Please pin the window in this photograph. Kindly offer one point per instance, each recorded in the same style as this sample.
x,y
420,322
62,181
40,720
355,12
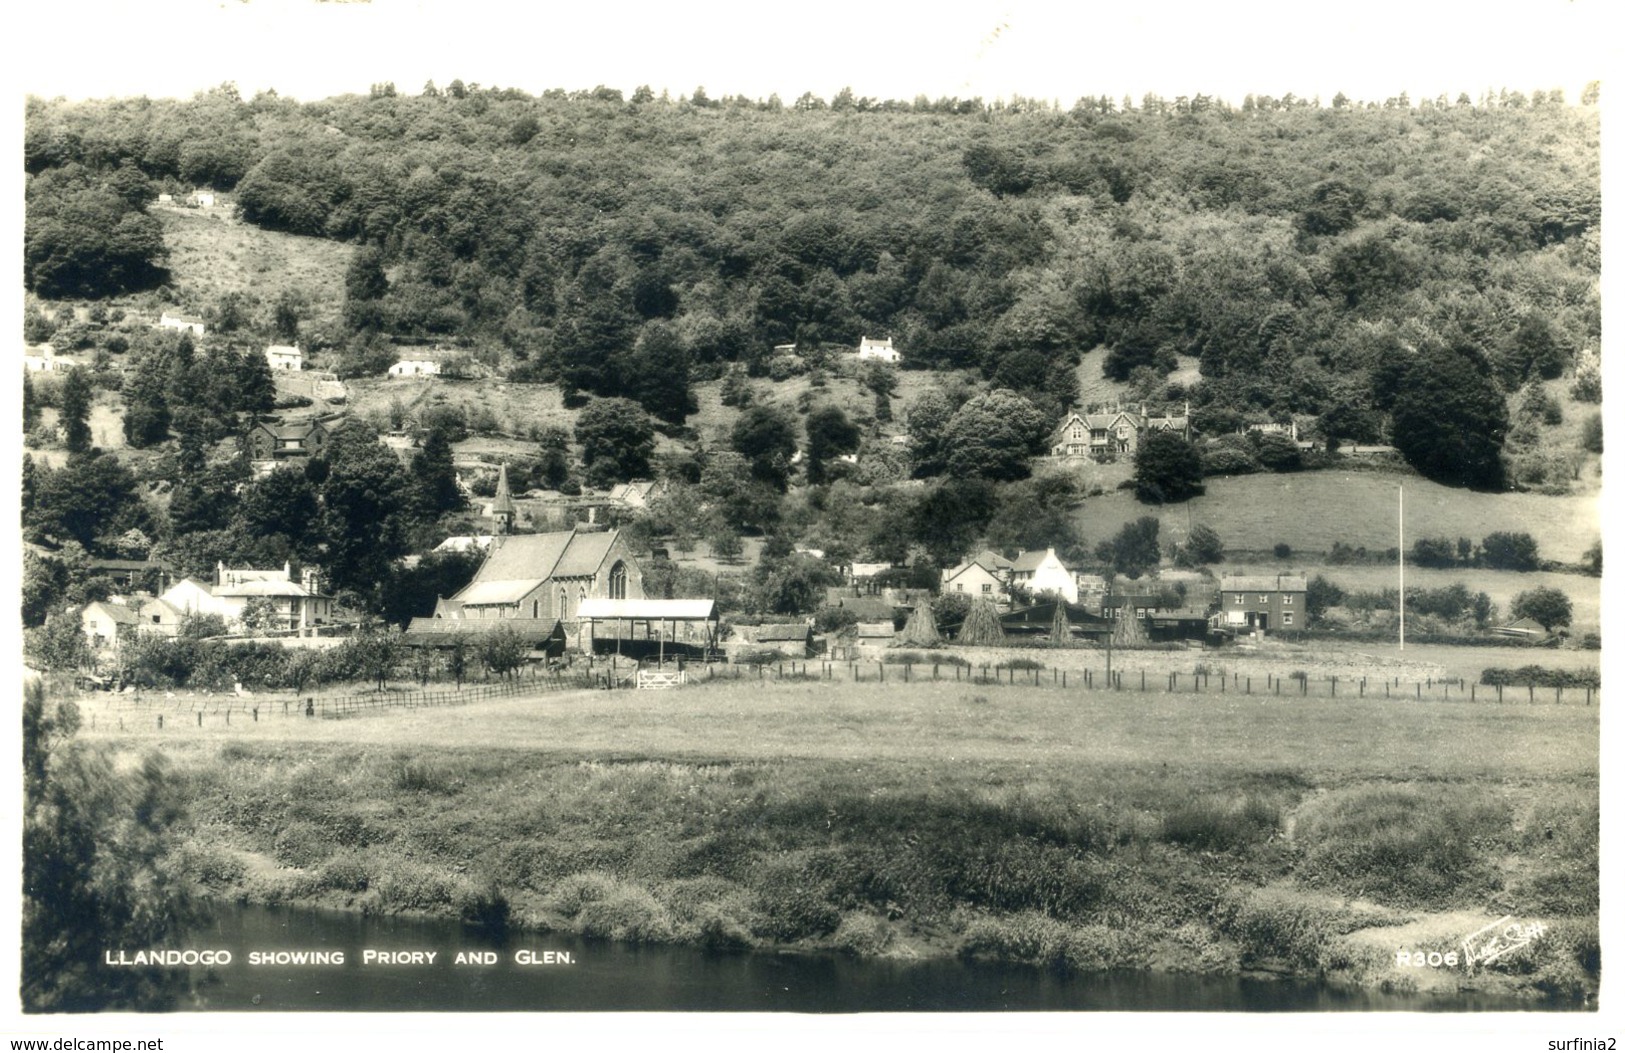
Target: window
x,y
959,587
1286,618
1240,599
1286,601
564,603
535,608
617,581
987,587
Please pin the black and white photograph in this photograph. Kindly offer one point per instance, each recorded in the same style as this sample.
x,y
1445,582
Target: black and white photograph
x,y
971,523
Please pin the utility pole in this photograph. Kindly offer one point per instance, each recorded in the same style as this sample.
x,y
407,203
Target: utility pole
x,y
1111,626
1401,566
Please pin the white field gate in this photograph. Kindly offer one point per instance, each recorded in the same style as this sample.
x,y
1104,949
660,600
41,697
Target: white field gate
x,y
660,679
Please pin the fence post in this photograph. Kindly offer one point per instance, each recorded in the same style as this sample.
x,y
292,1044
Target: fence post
x,y
1249,685
1472,692
1362,687
1560,694
1142,680
1334,687
1531,694
1419,691
1500,693
1063,680
908,670
200,718
160,722
1304,684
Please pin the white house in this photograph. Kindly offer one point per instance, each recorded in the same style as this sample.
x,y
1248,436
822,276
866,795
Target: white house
x,y
295,604
1044,572
881,350
103,621
43,359
203,199
195,326
283,357
985,575
415,367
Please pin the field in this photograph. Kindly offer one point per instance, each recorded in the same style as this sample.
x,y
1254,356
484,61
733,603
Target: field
x,y
1311,510
1078,830
211,254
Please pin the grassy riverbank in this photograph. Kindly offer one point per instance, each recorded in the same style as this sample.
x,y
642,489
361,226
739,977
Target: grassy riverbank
x,y
1083,831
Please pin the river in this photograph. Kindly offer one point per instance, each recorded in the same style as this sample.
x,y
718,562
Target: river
x,y
572,974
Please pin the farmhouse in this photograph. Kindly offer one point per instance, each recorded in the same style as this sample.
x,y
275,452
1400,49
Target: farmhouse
x,y
1263,602
794,639
189,323
1043,572
285,358
548,576
160,616
1112,434
878,350
290,440
415,367
986,574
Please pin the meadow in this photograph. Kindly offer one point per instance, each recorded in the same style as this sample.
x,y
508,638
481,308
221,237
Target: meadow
x,y
1075,830
1310,511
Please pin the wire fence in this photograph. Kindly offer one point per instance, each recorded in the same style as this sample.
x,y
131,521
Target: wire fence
x,y
166,710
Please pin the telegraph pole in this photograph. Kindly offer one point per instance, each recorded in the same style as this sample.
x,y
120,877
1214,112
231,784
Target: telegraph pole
x,y
1401,566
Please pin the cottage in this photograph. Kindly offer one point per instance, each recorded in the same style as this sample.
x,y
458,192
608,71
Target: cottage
x,y
415,367
878,350
290,440
127,572
104,622
548,576
794,639
42,358
161,617
1111,435
203,199
186,322
1263,602
1040,572
285,358
635,495
985,575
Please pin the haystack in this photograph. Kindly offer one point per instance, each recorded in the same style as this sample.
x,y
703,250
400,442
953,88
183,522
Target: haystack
x,y
921,630
981,625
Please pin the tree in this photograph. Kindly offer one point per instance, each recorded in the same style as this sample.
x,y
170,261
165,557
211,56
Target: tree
x,y
1322,595
829,434
1508,550
81,239
96,871
503,651
60,644
364,497
260,615
994,436
1433,552
364,288
1166,468
1547,606
766,438
91,496
1135,549
1450,420
75,409
617,439
1201,548
434,489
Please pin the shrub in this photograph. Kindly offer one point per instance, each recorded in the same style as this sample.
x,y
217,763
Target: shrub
x,y
406,885
345,872
834,619
862,934
1022,664
1506,550
485,908
211,867
299,844
420,777
1220,825
1283,550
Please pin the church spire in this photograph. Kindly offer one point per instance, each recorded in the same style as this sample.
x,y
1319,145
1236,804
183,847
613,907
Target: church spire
x,y
502,508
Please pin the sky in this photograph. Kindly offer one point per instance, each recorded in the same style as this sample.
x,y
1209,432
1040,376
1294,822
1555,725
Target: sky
x,y
988,48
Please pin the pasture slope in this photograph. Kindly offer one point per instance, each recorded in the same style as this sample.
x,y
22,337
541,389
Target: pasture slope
x,y
1312,510
1075,830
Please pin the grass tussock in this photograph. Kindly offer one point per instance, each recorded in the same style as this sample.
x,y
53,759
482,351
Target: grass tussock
x,y
1038,939
421,777
1221,824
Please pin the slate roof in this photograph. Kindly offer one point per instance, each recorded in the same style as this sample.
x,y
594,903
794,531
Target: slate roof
x,y
518,564
118,612
778,633
1263,583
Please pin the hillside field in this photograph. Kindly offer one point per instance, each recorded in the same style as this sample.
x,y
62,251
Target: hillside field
x,y
211,254
1312,510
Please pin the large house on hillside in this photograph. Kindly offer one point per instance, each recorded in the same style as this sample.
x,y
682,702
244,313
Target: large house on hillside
x,y
878,350
548,576
286,441
294,604
1113,434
